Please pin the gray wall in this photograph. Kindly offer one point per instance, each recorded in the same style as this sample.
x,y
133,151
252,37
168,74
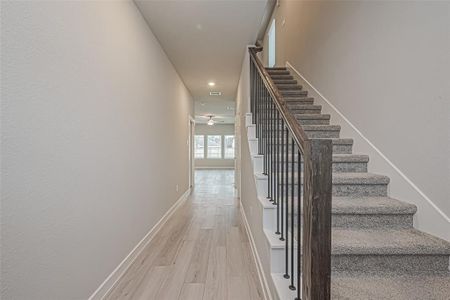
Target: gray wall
x,y
386,67
217,129
89,160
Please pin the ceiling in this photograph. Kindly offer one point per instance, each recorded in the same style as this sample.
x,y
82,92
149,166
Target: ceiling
x,y
206,41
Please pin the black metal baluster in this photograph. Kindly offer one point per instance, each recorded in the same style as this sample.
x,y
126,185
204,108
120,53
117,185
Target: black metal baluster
x,y
299,222
276,121
277,167
257,106
272,150
269,145
267,142
265,133
292,286
282,181
286,274
258,136
252,91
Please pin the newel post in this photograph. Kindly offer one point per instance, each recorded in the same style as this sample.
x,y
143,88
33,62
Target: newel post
x,y
316,267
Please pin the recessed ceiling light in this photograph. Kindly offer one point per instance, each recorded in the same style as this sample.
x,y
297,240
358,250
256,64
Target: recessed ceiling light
x,y
211,83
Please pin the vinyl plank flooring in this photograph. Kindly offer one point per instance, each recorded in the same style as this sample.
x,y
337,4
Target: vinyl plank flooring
x,y
152,282
175,279
198,266
235,262
238,288
202,252
192,291
216,279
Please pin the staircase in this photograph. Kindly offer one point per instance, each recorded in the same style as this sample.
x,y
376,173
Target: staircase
x,y
376,253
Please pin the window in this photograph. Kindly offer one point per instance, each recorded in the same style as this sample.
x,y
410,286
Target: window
x,y
229,146
214,146
199,146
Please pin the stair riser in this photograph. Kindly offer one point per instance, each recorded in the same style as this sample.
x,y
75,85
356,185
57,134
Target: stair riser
x,y
299,102
278,262
278,72
283,87
269,218
298,106
360,190
331,134
364,221
354,190
360,221
337,148
323,134
318,121
285,82
306,111
338,167
338,190
372,221
314,121
390,263
294,93
258,164
340,148
394,264
282,77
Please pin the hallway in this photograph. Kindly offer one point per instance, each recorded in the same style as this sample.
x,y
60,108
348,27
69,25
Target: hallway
x,y
202,252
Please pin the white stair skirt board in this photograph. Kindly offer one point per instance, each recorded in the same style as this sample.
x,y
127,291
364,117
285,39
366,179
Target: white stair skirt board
x,y
120,270
401,186
259,266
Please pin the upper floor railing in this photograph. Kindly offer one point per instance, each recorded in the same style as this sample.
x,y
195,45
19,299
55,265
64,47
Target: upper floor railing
x,y
298,171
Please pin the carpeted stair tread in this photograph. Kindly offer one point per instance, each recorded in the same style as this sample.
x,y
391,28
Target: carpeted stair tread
x,y
371,206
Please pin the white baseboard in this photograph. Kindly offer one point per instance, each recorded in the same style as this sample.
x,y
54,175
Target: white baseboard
x,y
113,278
429,217
259,267
215,168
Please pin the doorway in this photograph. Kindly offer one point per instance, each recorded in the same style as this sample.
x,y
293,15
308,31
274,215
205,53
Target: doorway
x,y
191,153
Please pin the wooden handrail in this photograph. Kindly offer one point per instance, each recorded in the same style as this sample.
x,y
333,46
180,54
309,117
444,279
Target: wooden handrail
x,y
297,132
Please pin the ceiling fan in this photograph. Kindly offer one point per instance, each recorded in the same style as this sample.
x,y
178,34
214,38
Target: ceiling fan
x,y
211,119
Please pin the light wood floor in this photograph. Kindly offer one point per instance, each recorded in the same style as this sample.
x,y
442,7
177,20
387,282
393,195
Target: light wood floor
x,y
202,252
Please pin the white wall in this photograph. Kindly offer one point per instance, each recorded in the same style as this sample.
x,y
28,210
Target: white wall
x,y
217,129
386,67
89,161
